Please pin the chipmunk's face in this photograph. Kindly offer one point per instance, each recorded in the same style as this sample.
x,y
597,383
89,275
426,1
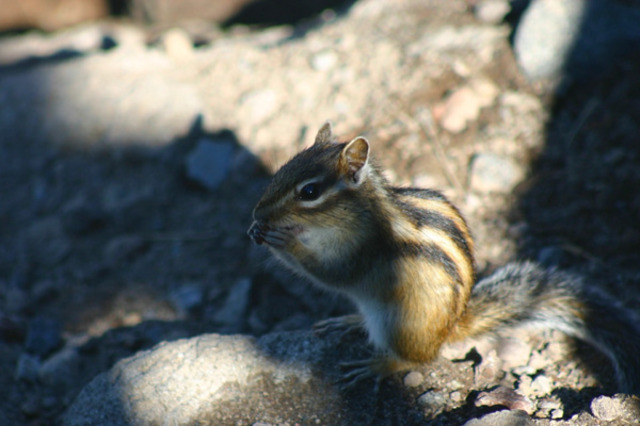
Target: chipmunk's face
x,y
305,210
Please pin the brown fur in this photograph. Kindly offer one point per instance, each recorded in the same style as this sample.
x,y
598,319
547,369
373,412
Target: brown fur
x,y
405,257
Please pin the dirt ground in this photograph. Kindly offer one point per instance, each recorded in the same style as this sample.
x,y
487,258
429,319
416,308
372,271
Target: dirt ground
x,y
110,249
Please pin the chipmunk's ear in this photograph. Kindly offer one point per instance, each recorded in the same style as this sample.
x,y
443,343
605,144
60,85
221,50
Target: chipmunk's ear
x,y
354,160
324,134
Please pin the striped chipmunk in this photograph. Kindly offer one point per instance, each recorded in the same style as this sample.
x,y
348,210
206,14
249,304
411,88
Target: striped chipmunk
x,y
404,256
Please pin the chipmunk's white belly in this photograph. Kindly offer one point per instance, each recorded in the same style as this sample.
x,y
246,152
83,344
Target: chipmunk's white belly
x,y
375,316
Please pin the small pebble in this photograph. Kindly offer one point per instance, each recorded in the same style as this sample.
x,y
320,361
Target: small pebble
x,y
556,413
209,163
187,298
492,11
432,401
502,418
464,104
177,44
324,60
494,173
514,352
506,397
606,408
541,385
413,379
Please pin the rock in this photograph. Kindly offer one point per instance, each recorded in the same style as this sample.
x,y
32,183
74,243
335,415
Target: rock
x,y
235,305
173,12
32,45
493,173
550,407
490,369
187,297
545,35
44,335
514,352
413,379
212,379
506,397
259,105
50,15
61,370
503,418
432,402
280,378
324,60
606,408
140,101
575,37
178,45
539,386
622,408
492,11
209,162
27,368
464,104
481,39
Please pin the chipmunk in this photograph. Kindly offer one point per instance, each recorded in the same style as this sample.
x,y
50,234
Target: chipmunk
x,y
404,256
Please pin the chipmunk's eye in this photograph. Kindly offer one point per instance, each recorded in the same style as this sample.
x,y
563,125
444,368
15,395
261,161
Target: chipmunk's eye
x,y
310,192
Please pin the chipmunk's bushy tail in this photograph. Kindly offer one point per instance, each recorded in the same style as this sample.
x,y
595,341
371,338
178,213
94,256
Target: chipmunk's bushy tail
x,y
526,294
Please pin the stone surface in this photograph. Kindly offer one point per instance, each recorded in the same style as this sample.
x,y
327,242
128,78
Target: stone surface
x,y
464,104
506,397
211,379
210,162
606,408
574,37
503,418
492,11
494,173
413,379
234,307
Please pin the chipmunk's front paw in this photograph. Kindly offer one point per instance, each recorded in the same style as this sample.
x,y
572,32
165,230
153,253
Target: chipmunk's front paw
x,y
376,368
356,372
344,324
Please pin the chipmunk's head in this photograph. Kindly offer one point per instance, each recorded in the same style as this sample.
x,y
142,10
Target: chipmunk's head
x,y
313,199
